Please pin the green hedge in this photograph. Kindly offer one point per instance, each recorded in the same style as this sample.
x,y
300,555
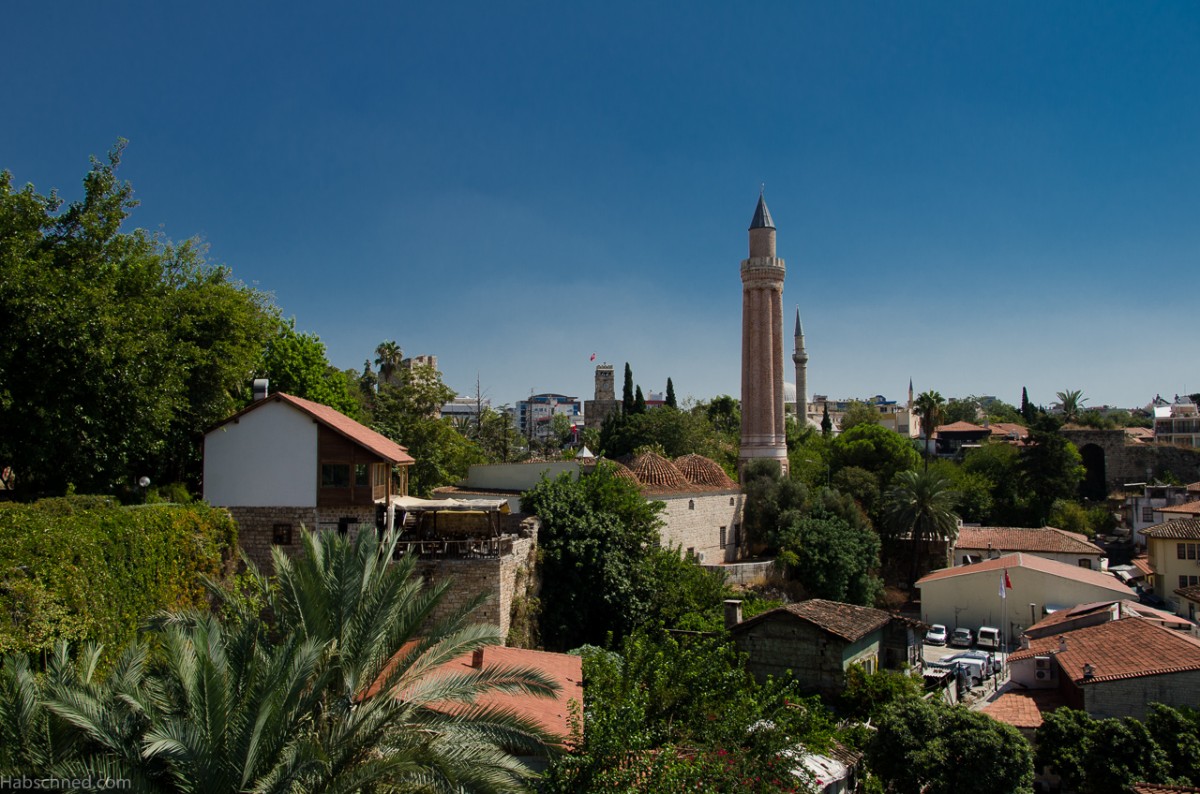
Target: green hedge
x,y
85,568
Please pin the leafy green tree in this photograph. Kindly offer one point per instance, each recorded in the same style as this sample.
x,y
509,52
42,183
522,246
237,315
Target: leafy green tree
x,y
961,410
1177,732
117,348
408,413
388,356
998,465
498,437
1070,403
725,414
597,537
874,448
860,484
295,363
922,746
831,557
930,407
919,507
859,413
867,695
1093,756
1000,411
677,432
975,502
768,497
668,714
1051,467
669,401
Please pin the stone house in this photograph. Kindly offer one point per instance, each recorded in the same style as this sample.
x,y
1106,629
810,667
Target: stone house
x,y
968,596
815,641
951,438
975,544
1085,615
1115,669
283,462
1189,601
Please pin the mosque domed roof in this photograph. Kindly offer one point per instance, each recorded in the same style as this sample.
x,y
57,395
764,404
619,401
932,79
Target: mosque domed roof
x,y
656,472
700,470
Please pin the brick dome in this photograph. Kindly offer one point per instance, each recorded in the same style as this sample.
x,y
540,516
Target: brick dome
x,y
621,470
658,473
703,471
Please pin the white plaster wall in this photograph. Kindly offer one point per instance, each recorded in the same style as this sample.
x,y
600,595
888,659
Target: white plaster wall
x,y
268,457
1066,559
516,476
973,600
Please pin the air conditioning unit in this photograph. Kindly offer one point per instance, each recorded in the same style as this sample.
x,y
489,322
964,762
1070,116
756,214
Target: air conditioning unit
x,y
700,558
1041,662
1043,675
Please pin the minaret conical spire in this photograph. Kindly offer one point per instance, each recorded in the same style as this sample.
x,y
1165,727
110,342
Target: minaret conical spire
x,y
762,215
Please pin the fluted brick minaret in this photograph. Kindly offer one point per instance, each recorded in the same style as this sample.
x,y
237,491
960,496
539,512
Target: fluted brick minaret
x,y
763,434
800,359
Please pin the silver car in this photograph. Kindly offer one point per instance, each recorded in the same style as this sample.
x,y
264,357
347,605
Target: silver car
x,y
961,638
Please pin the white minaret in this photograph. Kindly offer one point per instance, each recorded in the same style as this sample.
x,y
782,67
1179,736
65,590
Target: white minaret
x,y
763,433
800,359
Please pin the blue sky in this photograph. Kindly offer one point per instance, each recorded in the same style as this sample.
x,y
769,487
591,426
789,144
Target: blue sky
x,y
978,196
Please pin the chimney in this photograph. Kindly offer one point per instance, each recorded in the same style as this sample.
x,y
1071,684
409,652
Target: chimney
x,y
477,658
1024,642
261,387
1062,643
1088,670
733,612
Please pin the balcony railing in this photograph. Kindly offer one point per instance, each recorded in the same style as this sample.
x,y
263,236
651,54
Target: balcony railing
x,y
471,549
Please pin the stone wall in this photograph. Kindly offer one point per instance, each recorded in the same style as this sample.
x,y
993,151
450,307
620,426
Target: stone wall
x,y
694,521
502,579
1128,463
783,646
1130,697
746,573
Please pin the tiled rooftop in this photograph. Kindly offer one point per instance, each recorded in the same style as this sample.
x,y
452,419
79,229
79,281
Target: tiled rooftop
x,y
1040,539
1187,508
700,470
1160,788
1129,648
848,621
1031,562
657,473
1179,529
1023,708
961,427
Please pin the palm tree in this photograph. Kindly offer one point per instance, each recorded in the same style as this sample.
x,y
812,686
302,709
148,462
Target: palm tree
x,y
920,506
931,407
1071,402
338,696
388,357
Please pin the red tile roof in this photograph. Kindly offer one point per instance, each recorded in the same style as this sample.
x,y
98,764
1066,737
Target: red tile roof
x,y
1179,529
1159,788
1129,648
961,427
1040,539
1188,508
656,473
1142,564
1191,592
552,714
1009,429
336,421
1034,563
1023,708
848,621
1126,608
703,471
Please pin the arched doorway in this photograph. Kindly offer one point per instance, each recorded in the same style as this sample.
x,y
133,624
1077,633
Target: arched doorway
x,y
1095,482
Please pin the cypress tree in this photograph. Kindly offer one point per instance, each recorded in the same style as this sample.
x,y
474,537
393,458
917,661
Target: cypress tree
x,y
670,401
627,391
639,402
826,422
1026,408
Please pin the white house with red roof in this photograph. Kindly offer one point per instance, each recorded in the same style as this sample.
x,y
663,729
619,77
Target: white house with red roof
x,y
984,543
283,461
969,596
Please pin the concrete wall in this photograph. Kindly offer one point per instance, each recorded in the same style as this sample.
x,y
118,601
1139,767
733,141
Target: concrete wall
x,y
515,476
694,521
973,600
745,573
265,457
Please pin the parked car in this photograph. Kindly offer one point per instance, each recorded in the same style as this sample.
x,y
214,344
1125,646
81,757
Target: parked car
x,y
991,665
988,637
962,638
936,634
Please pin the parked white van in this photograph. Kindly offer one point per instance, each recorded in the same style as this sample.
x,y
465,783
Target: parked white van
x,y
988,638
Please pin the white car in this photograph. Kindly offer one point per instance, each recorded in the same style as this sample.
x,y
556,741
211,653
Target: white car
x,y
936,635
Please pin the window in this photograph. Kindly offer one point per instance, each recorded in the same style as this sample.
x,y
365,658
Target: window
x,y
691,553
691,504
281,534
1148,514
335,475
1085,564
1187,551
722,537
731,502
1187,581
362,475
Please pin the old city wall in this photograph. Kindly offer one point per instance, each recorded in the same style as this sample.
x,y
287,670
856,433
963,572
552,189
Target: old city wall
x,y
261,529
1127,463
